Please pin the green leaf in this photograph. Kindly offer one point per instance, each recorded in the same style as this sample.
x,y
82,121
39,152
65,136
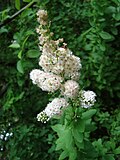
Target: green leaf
x,y
88,114
68,139
80,145
26,13
26,0
63,155
20,54
60,143
110,9
81,125
58,128
3,30
117,16
114,31
20,66
105,35
33,53
109,157
29,33
17,4
14,45
77,135
73,154
102,47
117,150
90,150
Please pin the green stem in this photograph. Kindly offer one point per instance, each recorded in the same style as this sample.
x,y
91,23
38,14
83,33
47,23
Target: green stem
x,y
8,20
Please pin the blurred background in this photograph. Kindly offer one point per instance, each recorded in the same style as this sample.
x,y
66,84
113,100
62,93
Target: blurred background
x,y
91,29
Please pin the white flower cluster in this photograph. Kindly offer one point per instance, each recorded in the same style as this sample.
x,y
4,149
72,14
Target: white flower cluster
x,y
46,81
42,17
52,109
60,70
59,60
87,99
71,89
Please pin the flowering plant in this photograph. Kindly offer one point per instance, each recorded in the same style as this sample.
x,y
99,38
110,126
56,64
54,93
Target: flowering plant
x,y
60,71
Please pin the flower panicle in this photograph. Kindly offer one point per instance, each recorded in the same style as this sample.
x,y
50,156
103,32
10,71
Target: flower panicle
x,y
60,70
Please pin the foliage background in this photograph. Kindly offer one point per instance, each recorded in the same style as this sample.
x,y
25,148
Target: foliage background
x,y
91,29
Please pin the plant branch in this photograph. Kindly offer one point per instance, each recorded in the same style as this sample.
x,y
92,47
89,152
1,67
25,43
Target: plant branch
x,y
8,20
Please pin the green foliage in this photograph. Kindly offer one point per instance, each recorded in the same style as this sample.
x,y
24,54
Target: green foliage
x,y
91,30
74,134
20,101
17,4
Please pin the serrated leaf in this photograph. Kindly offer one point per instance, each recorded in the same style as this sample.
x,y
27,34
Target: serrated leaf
x,y
60,144
33,53
63,155
77,135
68,139
20,66
105,35
88,114
58,128
73,154
17,4
14,45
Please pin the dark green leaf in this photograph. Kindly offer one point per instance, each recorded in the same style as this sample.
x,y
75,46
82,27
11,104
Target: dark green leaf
x,y
105,35
88,114
117,150
109,157
117,16
20,66
33,53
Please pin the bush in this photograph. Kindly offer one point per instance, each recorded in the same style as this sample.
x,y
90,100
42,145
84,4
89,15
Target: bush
x,y
91,30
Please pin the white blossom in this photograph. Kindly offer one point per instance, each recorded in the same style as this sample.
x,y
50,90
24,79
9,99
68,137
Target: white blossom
x,y
35,75
52,109
87,98
53,60
71,89
42,117
60,61
72,67
42,17
46,81
49,48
